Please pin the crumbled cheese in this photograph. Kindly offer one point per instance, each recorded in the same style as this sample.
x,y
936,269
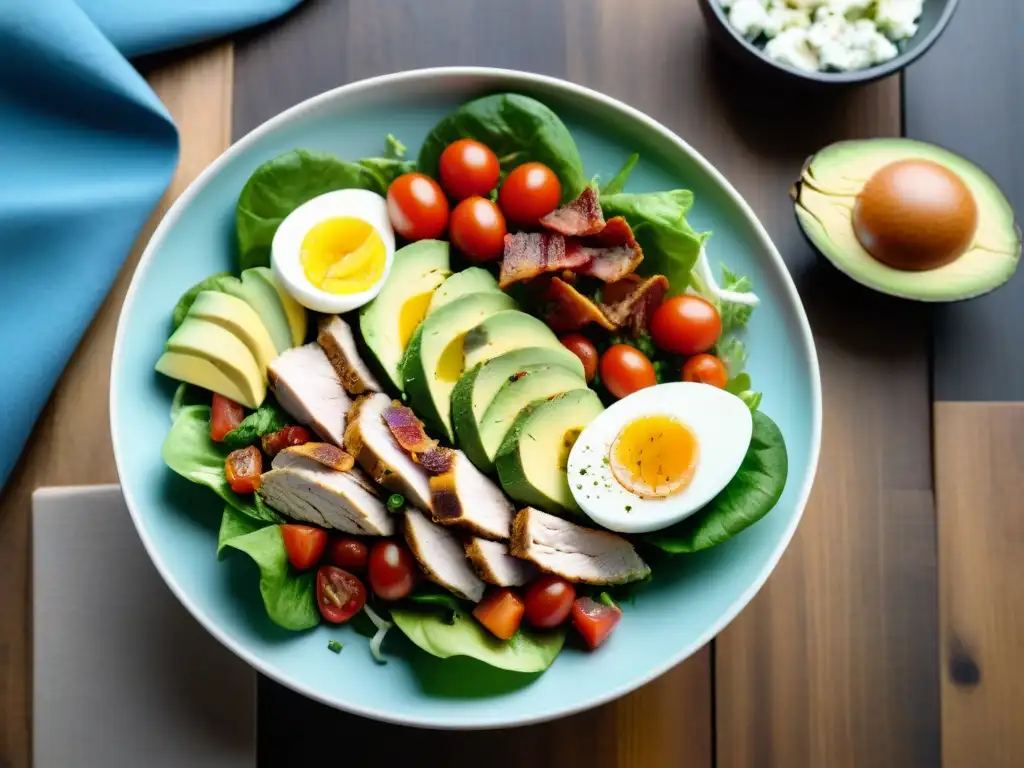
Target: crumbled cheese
x,y
790,47
898,18
748,17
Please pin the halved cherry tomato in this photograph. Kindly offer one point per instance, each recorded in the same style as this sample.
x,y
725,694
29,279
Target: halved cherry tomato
x,y
501,612
242,469
225,415
276,442
686,325
348,553
529,191
304,545
478,229
468,168
391,570
548,601
594,620
339,594
417,207
624,370
705,369
585,350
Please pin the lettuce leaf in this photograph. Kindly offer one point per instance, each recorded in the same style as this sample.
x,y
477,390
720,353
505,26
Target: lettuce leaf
x,y
264,420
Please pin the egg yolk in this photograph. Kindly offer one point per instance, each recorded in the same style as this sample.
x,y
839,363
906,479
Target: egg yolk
x,y
343,255
654,456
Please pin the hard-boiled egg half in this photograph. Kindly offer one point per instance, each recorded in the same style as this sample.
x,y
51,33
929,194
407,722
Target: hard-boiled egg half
x,y
658,455
334,252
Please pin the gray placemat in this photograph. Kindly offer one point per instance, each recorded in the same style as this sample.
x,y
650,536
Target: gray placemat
x,y
122,674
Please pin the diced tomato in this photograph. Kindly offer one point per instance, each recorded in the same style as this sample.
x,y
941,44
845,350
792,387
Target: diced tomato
x,y
348,553
339,594
243,468
225,415
593,620
276,442
304,544
500,612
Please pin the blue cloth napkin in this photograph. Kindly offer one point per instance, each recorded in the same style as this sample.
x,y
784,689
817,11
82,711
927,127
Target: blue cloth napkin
x,y
86,151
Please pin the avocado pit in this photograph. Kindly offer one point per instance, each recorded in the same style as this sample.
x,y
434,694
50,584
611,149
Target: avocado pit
x,y
915,215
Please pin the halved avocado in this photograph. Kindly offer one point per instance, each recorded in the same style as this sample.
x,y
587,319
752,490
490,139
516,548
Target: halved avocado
x,y
504,332
237,316
826,197
230,356
434,361
471,280
478,386
390,320
532,459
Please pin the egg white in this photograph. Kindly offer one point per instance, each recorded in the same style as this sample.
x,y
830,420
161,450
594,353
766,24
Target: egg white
x,y
287,246
722,425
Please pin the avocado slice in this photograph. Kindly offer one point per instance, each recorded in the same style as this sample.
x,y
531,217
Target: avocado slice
x,y
263,298
209,341
826,195
433,361
471,280
389,321
294,312
237,316
506,331
532,458
200,372
477,387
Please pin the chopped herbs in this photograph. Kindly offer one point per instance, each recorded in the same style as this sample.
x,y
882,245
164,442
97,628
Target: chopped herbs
x,y
629,507
334,646
396,501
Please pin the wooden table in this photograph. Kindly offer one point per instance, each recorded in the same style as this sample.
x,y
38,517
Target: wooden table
x,y
888,635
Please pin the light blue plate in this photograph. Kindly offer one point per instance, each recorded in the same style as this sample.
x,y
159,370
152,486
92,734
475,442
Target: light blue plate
x,y
690,600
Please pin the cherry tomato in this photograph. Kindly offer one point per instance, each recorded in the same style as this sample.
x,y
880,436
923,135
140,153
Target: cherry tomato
x,y
529,191
242,469
686,325
348,553
584,349
594,620
276,442
548,601
417,207
304,545
468,168
624,370
225,415
391,571
705,369
339,594
477,228
500,612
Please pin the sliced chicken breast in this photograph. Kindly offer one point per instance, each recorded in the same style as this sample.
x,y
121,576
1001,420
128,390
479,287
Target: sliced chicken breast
x,y
493,563
306,386
335,336
368,438
573,552
306,490
464,496
441,556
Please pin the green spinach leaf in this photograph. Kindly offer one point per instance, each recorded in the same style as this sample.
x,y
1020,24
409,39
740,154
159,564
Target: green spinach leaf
x,y
618,181
189,451
526,651
446,600
211,283
281,185
748,497
518,129
387,169
266,419
234,524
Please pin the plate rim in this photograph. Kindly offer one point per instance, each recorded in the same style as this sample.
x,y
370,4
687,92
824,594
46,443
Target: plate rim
x,y
504,78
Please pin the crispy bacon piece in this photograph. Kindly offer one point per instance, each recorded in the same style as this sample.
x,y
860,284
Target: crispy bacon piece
x,y
407,429
580,217
637,305
529,254
329,455
566,309
611,254
437,460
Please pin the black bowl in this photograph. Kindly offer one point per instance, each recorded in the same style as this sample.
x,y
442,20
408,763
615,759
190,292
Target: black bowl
x,y
932,23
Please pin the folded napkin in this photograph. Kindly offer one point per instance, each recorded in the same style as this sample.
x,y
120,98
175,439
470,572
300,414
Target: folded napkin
x,y
86,151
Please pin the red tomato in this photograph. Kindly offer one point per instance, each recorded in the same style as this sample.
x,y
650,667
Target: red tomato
x,y
529,191
348,553
500,612
584,349
276,442
624,370
225,415
468,168
242,469
304,544
686,325
478,229
594,620
339,594
705,369
391,571
417,207
548,601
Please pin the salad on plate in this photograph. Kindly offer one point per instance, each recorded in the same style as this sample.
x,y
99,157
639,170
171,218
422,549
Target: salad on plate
x,y
473,397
